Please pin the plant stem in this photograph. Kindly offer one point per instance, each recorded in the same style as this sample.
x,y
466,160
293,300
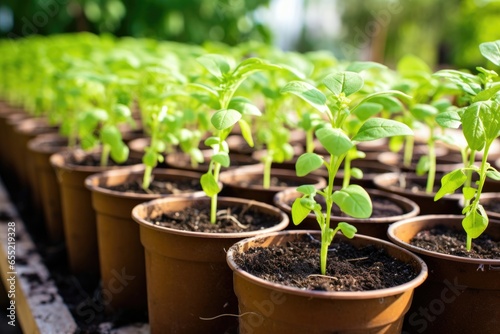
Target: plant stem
x,y
146,180
213,202
408,151
268,161
431,174
105,155
310,141
347,172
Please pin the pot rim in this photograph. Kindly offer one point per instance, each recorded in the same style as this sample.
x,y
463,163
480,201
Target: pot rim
x,y
391,234
92,181
352,295
143,206
59,160
36,144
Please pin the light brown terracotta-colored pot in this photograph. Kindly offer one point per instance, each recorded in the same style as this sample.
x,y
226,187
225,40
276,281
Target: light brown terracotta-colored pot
x,y
235,185
189,282
267,307
461,294
373,226
444,163
118,236
12,158
79,219
393,182
41,148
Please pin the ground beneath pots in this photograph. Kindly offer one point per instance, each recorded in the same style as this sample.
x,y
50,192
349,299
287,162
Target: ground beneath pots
x,y
235,219
296,264
453,242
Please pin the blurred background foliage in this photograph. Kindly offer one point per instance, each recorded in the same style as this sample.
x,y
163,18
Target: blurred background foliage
x,y
441,32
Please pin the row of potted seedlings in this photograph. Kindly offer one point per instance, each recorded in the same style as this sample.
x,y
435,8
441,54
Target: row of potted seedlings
x,y
138,174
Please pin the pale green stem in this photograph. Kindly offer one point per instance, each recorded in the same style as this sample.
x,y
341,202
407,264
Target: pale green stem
x,y
213,203
105,155
431,174
146,180
408,151
266,178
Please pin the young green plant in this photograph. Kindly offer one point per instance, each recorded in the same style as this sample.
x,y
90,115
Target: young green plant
x,y
226,79
480,124
335,109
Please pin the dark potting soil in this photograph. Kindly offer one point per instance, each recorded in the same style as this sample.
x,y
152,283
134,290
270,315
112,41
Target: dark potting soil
x,y
235,219
83,159
179,186
296,264
449,241
257,181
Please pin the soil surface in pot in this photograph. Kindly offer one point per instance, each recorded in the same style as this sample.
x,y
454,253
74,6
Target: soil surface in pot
x,y
297,264
235,219
449,241
84,159
257,181
159,187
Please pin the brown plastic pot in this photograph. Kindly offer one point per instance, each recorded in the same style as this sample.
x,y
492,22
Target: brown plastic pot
x,y
444,164
181,160
119,244
393,183
461,294
235,182
79,219
267,307
373,227
188,281
41,148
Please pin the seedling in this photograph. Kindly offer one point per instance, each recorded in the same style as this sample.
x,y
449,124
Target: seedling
x,y
480,123
226,79
337,107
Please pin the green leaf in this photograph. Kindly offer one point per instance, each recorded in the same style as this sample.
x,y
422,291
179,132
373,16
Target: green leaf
x,y
308,203
119,153
473,127
474,224
449,119
354,201
335,141
216,64
359,66
491,51
110,135
307,163
246,132
347,229
423,165
469,192
212,141
493,174
487,93
222,158
389,103
423,111
376,128
307,189
308,93
356,173
367,110
244,106
225,118
209,185
299,212
343,82
451,182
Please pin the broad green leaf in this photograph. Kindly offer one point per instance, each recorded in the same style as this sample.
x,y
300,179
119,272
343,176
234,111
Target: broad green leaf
x,y
469,192
367,110
206,88
110,135
222,158
474,224
450,182
307,189
356,173
308,93
343,82
491,51
246,132
299,212
473,127
359,66
354,201
335,141
487,93
347,229
196,154
122,112
244,106
449,119
410,66
389,103
252,65
307,163
308,203
209,185
493,174
211,141
490,117
376,128
225,118
423,111
119,153
216,64
423,165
